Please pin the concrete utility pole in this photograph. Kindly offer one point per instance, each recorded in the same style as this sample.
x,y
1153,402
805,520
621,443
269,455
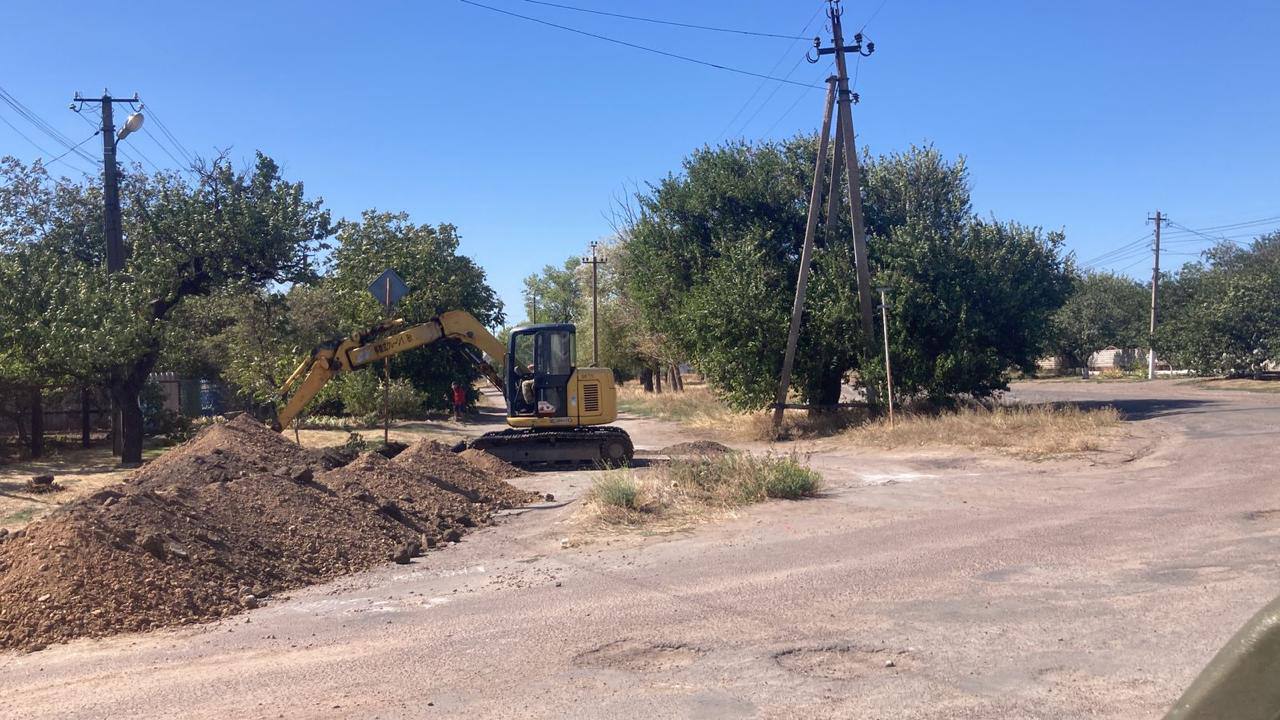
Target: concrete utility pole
x,y
806,254
595,262
1155,287
837,90
111,173
849,148
112,233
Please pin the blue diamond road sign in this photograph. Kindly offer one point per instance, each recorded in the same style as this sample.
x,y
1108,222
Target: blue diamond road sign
x,y
388,288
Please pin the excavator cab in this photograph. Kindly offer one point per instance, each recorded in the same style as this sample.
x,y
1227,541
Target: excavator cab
x,y
543,359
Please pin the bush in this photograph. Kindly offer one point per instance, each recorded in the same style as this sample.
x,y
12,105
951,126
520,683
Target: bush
x,y
739,478
617,490
361,395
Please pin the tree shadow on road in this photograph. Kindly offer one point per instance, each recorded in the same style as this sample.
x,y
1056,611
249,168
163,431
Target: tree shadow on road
x,y
1140,408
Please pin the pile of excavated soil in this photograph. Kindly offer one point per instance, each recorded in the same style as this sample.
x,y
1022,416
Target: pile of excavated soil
x,y
212,526
457,473
495,465
698,448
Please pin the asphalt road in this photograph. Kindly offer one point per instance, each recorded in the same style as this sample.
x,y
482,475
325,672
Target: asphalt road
x,y
922,585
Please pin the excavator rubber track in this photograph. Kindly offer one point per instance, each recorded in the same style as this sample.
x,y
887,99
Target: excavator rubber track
x,y
601,446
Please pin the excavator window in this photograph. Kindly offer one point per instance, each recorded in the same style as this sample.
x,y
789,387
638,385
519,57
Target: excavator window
x,y
542,363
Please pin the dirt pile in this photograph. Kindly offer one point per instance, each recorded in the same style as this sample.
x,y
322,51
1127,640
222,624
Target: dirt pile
x,y
697,448
472,475
498,467
210,528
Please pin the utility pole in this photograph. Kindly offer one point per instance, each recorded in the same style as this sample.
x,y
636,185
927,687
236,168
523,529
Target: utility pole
x,y
846,100
595,262
839,100
112,233
1155,288
806,255
110,175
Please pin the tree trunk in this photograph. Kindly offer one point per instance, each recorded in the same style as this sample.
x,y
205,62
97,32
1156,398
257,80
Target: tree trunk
x,y
657,379
827,394
646,379
679,377
126,397
85,426
37,423
126,391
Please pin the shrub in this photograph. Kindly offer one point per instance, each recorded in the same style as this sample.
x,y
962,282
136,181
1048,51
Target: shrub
x,y
616,489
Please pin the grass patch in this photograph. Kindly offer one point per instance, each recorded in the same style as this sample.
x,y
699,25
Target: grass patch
x,y
21,516
687,492
1031,431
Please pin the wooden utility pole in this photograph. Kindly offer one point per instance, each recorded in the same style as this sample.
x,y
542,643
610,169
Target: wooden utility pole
x,y
888,367
1155,288
595,262
806,255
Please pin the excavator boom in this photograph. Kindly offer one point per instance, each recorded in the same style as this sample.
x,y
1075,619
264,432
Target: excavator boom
x,y
362,349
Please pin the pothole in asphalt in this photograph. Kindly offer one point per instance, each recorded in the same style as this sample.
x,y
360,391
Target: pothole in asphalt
x,y
841,662
637,656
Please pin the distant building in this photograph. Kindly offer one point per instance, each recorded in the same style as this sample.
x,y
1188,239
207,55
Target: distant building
x,y
1114,358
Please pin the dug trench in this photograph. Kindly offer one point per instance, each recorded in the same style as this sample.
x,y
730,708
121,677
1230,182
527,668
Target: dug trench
x,y
234,515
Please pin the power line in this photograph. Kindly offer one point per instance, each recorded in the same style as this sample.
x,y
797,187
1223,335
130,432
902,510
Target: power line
x,y
164,129
43,152
73,149
42,125
23,135
645,48
1115,253
768,99
873,15
666,22
760,85
793,106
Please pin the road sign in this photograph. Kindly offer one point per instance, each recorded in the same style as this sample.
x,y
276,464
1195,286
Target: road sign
x,y
388,288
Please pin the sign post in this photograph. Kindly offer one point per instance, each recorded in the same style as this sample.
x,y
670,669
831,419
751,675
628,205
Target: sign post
x,y
387,289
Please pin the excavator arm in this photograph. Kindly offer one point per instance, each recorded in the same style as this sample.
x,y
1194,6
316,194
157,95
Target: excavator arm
x,y
361,349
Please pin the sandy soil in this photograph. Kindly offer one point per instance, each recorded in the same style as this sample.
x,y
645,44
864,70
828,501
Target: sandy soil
x,y
921,585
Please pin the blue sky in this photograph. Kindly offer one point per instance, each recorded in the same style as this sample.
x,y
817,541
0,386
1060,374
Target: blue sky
x,y
1081,116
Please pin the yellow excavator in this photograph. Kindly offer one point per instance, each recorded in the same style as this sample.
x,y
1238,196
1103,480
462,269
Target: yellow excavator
x,y
557,412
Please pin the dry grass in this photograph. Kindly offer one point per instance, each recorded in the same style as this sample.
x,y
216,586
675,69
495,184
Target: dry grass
x,y
689,492
699,409
1036,431
1242,384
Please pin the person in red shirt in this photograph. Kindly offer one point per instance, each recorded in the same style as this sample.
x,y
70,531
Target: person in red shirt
x,y
459,401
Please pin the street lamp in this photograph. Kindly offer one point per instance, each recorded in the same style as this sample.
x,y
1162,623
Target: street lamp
x,y
131,125
888,368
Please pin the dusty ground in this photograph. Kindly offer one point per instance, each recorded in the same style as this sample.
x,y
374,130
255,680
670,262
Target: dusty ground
x,y
935,585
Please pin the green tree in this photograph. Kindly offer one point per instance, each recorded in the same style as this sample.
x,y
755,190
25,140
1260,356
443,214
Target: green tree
x,y
439,279
1103,309
714,253
1222,315
228,229
556,294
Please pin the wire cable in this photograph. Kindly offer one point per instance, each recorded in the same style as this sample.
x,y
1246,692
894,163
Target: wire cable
x,y
760,86
666,22
645,48
41,124
94,135
793,106
164,129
